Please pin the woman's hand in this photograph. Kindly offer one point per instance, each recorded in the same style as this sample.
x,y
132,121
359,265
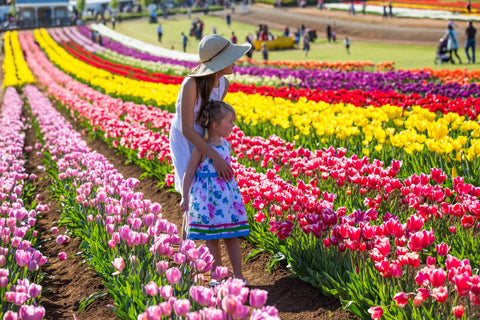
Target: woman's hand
x,y
184,204
224,170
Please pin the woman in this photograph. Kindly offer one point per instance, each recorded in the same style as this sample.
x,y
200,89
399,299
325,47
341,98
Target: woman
x,y
205,82
452,43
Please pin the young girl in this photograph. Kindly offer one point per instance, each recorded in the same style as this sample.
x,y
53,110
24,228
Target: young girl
x,y
215,206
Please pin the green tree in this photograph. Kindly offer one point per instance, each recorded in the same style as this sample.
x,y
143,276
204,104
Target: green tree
x,y
145,3
114,4
81,5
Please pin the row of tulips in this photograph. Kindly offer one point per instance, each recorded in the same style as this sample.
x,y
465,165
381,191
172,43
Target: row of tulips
x,y
16,71
284,229
469,106
435,4
357,97
447,76
20,261
411,131
152,274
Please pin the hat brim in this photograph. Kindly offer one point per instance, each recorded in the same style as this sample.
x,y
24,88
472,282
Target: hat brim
x,y
223,60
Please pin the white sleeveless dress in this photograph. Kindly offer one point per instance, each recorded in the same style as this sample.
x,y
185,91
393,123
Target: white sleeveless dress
x,y
180,147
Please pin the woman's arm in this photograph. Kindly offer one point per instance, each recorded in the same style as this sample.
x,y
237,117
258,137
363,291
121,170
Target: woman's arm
x,y
192,165
227,85
188,103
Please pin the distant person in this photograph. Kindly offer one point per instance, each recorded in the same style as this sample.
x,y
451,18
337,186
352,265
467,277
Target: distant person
x,y
334,36
228,18
306,44
390,10
385,14
159,32
329,32
452,43
233,38
264,52
249,39
286,31
214,30
364,7
320,4
470,33
113,23
233,6
352,8
469,6
346,43
184,42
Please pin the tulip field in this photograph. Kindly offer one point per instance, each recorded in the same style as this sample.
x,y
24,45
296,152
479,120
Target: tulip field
x,y
362,180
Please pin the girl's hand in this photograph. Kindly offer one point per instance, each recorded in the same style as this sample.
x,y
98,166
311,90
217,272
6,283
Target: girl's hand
x,y
224,170
184,204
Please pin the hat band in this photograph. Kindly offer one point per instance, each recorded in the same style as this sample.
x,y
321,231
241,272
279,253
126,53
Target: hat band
x,y
217,54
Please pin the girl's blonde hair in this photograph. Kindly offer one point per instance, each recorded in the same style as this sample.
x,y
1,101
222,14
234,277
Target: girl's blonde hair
x,y
213,112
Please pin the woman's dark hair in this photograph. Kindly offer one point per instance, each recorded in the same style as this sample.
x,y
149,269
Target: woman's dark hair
x,y
205,86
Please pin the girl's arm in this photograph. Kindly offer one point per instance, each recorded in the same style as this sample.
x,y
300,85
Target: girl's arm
x,y
192,165
222,167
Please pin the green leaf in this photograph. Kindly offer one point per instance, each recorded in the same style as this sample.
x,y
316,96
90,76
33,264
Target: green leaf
x,y
253,253
85,302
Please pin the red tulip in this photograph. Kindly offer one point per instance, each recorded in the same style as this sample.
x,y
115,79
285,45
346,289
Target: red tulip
x,y
458,311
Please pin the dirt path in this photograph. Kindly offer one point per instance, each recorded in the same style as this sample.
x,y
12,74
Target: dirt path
x,y
368,28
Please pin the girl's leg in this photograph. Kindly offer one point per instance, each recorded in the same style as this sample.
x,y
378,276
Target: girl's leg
x,y
234,253
214,247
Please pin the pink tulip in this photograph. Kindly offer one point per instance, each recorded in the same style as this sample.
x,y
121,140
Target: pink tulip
x,y
166,308
230,303
401,299
440,294
258,298
437,277
54,230
31,312
119,264
458,311
213,314
151,288
219,273
34,290
62,256
10,315
414,223
179,258
181,307
376,312
22,257
173,275
166,292
161,267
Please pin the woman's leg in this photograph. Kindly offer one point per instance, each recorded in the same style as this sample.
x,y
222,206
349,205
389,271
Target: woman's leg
x,y
458,57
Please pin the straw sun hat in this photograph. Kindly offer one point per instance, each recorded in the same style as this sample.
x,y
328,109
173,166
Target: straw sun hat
x,y
216,53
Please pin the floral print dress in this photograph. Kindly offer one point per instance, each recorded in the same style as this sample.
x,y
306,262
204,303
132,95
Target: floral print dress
x,y
216,209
